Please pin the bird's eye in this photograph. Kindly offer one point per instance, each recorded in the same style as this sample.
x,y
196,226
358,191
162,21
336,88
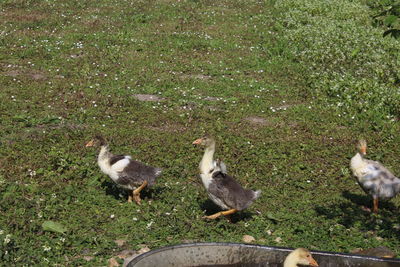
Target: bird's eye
x,y
308,255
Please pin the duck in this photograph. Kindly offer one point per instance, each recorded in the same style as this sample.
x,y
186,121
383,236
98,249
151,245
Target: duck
x,y
300,256
373,177
222,188
127,173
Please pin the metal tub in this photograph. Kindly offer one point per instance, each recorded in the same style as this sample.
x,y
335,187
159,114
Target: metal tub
x,y
243,255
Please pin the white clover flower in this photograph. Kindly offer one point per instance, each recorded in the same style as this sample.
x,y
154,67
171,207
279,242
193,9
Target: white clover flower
x,y
7,239
46,248
149,224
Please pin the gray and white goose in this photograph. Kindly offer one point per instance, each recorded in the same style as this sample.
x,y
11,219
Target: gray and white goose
x,y
130,174
222,189
373,177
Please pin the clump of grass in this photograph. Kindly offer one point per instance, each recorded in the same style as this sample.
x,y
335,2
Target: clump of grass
x,y
348,62
255,76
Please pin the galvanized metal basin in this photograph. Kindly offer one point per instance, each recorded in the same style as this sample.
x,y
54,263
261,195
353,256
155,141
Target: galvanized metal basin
x,y
243,255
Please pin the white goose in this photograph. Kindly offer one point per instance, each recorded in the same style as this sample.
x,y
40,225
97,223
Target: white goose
x,y
222,189
300,256
127,173
373,177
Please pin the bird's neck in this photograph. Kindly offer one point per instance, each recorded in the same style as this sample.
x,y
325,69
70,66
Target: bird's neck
x,y
206,162
357,161
290,261
104,153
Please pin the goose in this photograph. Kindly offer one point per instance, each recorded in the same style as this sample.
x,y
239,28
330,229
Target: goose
x,y
222,189
130,174
300,256
373,177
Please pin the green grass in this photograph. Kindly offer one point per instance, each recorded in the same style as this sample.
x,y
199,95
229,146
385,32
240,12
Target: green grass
x,y
321,77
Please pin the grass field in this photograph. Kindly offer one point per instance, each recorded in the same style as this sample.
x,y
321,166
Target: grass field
x,y
286,88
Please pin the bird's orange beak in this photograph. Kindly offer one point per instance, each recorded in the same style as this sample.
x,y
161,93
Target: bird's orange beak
x,y
313,262
363,150
90,143
197,141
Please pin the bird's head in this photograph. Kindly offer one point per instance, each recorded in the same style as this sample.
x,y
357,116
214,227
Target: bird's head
x,y
301,256
206,141
98,140
362,146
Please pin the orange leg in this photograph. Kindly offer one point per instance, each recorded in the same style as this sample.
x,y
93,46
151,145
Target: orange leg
x,y
375,205
218,214
136,193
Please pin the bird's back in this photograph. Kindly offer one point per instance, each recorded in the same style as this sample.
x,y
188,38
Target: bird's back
x,y
230,192
378,180
137,172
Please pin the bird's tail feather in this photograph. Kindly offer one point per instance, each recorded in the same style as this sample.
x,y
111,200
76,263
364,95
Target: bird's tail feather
x,y
158,171
257,194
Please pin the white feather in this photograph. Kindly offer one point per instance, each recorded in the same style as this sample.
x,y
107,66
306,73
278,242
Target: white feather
x,y
206,178
358,166
104,163
120,165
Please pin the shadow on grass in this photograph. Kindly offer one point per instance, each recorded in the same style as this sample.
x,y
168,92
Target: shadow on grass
x,y
211,208
113,190
366,200
152,193
350,214
122,194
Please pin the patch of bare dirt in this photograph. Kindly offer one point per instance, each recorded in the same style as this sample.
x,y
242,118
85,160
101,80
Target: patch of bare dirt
x,y
13,73
20,15
30,74
255,120
196,76
37,76
152,98
212,98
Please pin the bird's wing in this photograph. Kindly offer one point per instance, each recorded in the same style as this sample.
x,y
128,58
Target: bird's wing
x,y
375,170
119,162
219,165
138,172
229,190
220,193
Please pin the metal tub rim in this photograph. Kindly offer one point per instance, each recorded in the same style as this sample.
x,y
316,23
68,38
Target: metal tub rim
x,y
261,247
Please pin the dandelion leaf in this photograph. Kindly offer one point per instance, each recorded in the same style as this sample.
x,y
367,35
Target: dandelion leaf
x,y
53,227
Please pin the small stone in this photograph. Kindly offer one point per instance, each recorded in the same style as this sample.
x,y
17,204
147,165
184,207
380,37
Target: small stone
x,y
278,240
145,97
143,250
127,253
113,263
88,258
120,242
248,239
